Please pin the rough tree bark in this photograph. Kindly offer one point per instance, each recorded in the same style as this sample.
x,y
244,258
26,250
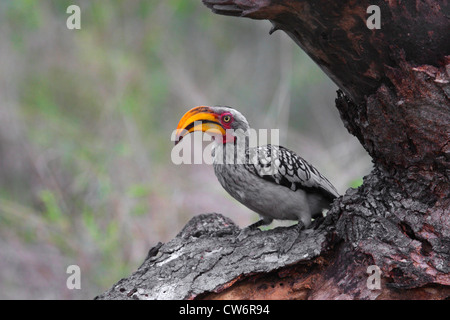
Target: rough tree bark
x,y
395,98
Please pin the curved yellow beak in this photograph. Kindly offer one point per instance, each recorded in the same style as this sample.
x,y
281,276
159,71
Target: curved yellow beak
x,y
200,118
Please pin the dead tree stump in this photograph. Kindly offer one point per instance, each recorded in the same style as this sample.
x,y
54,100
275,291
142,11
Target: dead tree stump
x,y
395,98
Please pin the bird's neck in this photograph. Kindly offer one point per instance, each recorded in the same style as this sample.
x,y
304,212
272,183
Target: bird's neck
x,y
231,152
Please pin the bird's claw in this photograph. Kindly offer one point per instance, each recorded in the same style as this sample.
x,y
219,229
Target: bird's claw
x,y
293,237
244,233
251,229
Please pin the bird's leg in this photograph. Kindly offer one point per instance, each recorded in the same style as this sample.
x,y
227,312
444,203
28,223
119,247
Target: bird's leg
x,y
245,232
259,223
293,237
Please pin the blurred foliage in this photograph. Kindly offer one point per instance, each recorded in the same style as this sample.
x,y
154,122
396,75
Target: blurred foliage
x,y
86,119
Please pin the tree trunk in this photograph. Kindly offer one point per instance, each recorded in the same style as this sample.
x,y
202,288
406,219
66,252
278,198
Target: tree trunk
x,y
395,98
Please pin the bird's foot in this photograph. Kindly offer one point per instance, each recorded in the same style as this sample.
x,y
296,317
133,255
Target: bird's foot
x,y
251,229
293,237
244,233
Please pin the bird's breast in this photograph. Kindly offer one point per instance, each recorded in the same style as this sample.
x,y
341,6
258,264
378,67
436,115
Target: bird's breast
x,y
263,197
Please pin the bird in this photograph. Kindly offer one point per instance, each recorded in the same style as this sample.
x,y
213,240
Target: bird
x,y
270,180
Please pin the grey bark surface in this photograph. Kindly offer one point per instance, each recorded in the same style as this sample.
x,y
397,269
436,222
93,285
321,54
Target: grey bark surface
x,y
204,258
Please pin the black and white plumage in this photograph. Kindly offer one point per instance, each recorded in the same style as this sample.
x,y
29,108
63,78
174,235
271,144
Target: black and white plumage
x,y
271,180
286,168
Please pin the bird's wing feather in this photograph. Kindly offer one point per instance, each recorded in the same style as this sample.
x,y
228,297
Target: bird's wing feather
x,y
282,166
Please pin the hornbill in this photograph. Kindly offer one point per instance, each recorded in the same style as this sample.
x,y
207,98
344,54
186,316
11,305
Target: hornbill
x,y
271,180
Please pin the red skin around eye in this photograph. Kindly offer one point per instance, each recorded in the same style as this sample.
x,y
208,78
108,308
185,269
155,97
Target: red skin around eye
x,y
227,126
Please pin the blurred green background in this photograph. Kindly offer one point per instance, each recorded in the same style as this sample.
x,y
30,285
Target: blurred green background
x,y
86,118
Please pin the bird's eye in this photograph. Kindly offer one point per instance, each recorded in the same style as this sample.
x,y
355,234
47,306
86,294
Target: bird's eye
x,y
226,118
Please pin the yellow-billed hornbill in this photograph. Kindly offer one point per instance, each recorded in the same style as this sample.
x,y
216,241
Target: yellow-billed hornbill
x,y
291,190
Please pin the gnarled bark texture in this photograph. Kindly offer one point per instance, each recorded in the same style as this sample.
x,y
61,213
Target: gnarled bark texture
x,y
395,98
